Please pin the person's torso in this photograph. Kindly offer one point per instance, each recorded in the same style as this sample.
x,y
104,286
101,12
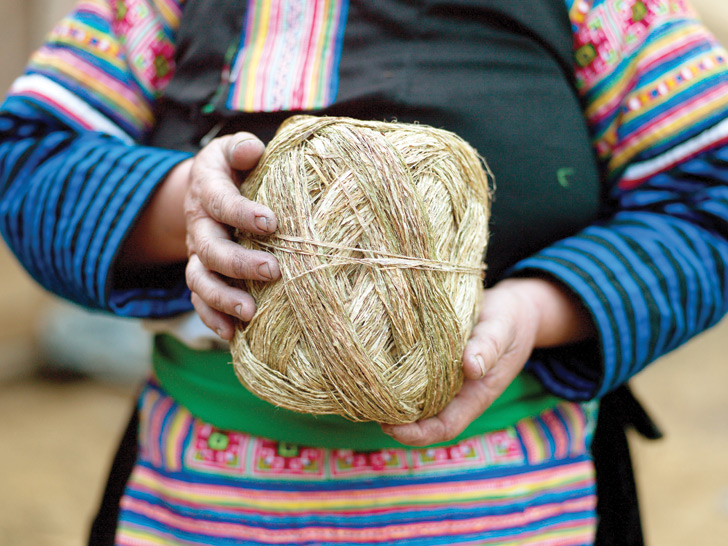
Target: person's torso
x,y
497,73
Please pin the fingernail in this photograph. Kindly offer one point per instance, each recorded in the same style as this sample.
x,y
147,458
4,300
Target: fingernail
x,y
264,271
218,331
240,144
481,364
239,310
261,223
234,148
387,430
246,142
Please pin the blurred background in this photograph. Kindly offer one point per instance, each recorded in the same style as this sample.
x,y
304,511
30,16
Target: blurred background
x,y
65,400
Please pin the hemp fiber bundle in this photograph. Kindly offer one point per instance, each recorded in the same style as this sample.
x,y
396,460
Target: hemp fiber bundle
x,y
382,230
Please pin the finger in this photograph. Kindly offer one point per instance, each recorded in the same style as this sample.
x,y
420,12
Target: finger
x,y
472,400
243,150
220,199
216,321
213,247
216,293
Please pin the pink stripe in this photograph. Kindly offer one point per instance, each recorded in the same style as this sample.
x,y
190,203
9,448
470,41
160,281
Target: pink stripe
x,y
530,515
56,106
304,60
97,8
148,399
673,51
179,443
71,59
610,107
574,415
154,438
669,116
309,81
535,477
585,535
230,508
532,436
561,439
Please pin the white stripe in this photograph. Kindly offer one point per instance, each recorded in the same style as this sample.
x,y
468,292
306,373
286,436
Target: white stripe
x,y
41,85
673,156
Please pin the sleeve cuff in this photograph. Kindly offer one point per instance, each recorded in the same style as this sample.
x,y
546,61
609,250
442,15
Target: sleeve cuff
x,y
579,371
144,169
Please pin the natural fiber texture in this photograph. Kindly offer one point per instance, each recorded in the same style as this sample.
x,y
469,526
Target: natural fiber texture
x,y
382,230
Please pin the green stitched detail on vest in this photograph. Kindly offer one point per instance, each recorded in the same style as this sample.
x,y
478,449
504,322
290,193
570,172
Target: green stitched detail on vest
x,y
563,175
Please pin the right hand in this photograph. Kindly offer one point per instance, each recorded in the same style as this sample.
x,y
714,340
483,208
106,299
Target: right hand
x,y
213,209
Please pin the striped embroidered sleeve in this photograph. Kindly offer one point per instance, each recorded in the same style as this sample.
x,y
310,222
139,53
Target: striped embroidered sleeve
x,y
652,272
73,177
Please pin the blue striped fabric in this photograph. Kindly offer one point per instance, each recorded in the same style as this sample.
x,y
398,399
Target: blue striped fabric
x,y
68,202
652,276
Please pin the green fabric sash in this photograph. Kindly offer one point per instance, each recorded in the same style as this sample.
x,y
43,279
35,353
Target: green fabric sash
x,y
205,383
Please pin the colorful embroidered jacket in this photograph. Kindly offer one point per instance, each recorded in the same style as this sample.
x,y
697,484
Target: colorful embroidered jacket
x,y
653,83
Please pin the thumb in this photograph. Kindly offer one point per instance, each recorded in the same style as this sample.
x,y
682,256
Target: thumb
x,y
488,342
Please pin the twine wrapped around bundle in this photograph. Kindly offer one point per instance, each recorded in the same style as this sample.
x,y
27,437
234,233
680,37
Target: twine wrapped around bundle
x,y
382,230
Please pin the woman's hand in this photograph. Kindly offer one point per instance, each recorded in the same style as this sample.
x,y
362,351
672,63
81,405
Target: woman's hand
x,y
517,316
193,215
213,208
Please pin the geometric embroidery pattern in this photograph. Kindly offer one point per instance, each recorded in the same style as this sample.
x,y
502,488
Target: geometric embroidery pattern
x,y
467,453
285,461
348,463
212,449
504,447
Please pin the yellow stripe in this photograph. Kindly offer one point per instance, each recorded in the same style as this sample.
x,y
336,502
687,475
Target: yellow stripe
x,y
171,17
313,80
661,132
658,101
261,30
172,443
585,530
139,113
536,444
103,5
406,497
112,55
141,536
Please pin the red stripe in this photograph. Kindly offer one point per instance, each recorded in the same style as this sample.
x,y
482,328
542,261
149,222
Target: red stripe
x,y
57,106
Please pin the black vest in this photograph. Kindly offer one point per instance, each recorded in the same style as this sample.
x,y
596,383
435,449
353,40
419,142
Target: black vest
x,y
499,73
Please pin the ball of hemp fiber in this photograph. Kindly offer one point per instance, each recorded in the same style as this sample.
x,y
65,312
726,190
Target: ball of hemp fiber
x,y
382,232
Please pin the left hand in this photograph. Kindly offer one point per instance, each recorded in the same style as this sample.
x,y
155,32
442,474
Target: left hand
x,y
517,315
